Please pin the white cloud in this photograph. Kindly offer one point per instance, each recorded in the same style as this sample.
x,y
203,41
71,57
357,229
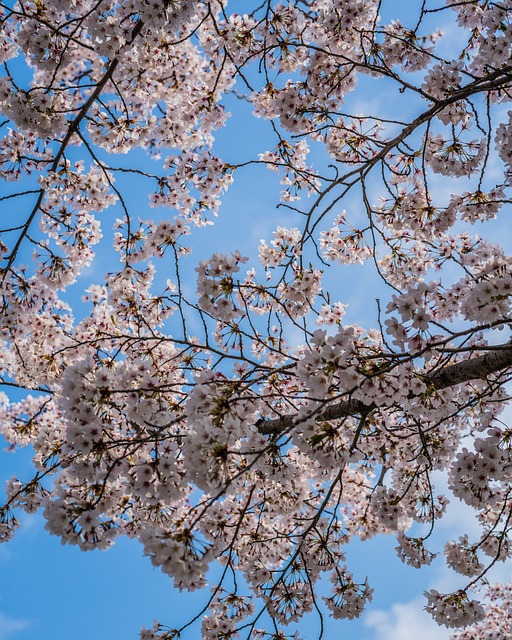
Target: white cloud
x,y
403,622
9,627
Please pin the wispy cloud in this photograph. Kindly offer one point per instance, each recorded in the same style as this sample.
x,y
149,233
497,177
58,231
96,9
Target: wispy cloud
x,y
403,622
10,627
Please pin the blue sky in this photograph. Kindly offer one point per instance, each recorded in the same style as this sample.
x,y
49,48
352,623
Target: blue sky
x,y
51,591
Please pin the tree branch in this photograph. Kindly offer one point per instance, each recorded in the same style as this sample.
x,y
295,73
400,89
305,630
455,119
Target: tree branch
x,y
496,359
73,128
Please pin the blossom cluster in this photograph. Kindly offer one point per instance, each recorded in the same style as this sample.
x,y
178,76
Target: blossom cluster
x,y
454,609
245,412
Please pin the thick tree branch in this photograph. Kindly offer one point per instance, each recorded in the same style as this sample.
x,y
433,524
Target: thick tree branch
x,y
497,359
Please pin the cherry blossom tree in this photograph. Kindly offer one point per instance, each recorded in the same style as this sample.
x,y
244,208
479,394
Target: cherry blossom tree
x,y
247,422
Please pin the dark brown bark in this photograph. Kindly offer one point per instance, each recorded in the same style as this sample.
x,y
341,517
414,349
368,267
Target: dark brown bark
x,y
496,359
